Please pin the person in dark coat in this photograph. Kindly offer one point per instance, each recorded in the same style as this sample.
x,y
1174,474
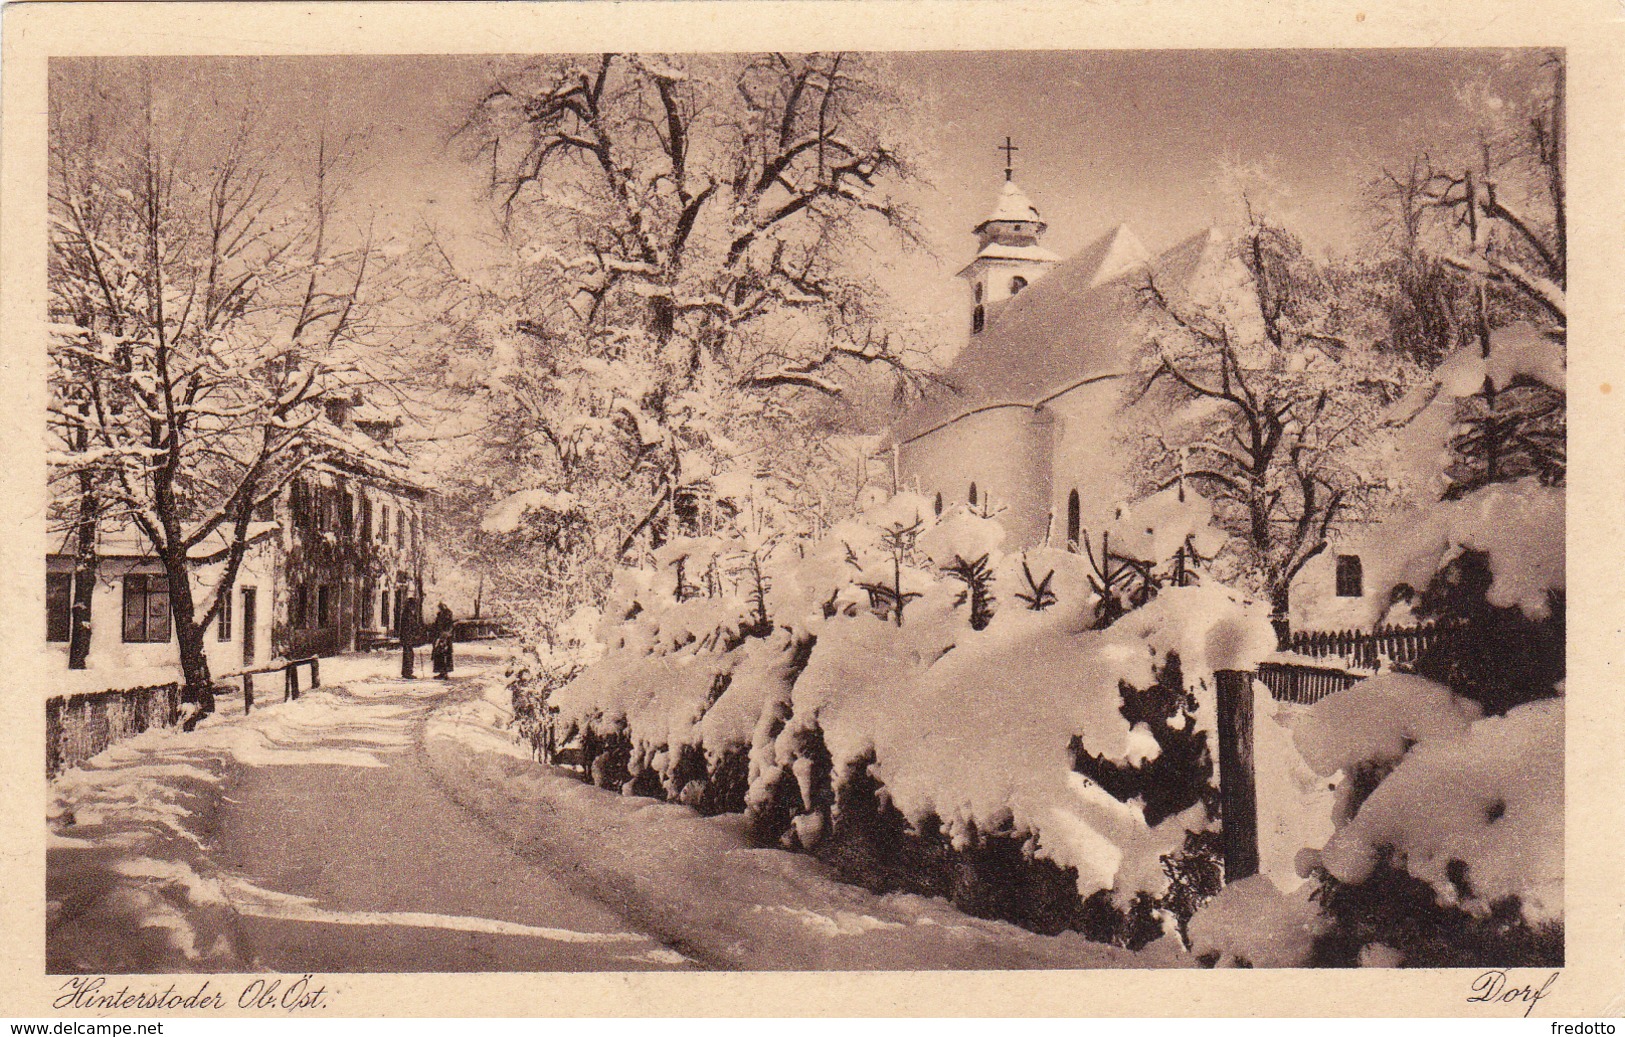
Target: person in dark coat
x,y
442,633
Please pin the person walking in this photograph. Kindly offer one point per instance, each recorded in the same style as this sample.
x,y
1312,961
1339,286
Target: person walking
x,y
444,624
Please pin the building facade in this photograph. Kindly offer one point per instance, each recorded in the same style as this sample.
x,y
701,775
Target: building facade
x,y
1037,429
335,563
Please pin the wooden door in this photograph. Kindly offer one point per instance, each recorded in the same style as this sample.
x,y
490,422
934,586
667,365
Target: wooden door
x,y
250,626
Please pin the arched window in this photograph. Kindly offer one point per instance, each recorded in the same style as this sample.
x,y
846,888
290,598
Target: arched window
x,y
1074,526
1350,581
1017,283
938,504
978,318
973,495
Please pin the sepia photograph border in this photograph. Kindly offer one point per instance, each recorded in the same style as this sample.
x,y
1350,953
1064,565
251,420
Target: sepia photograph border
x,y
1592,35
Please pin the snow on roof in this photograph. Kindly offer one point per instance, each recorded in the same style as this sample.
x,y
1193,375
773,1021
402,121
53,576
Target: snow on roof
x,y
1012,207
351,448
1028,253
1074,324
125,541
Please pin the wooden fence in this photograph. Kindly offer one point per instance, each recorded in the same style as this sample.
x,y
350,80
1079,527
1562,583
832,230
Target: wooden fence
x,y
78,727
1304,685
290,678
1363,648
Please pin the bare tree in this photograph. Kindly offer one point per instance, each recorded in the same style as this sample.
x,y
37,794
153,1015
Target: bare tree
x,y
1505,212
689,238
204,307
1270,385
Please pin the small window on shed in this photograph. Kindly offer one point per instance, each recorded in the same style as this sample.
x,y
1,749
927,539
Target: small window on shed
x,y
1017,283
978,320
1350,583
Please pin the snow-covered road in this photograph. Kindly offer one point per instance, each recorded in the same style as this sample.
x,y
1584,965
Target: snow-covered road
x,y
395,826
306,837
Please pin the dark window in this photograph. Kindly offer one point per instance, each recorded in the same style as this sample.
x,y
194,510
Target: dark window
x,y
224,622
383,523
400,531
938,504
973,495
384,615
58,606
301,606
978,294
146,608
1017,284
366,609
978,318
1349,581
1074,523
324,606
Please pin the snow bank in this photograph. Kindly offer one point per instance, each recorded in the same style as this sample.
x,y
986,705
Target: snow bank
x,y
1376,721
1489,797
66,682
975,730
1295,803
1255,924
732,905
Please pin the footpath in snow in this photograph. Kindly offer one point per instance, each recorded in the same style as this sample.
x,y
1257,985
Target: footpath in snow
x,y
305,837
385,825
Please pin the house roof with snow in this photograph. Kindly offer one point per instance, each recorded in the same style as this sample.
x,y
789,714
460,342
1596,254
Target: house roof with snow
x,y
1077,323
126,541
348,448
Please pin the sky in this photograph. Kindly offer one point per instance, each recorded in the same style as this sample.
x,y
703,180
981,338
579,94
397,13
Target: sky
x,y
1154,139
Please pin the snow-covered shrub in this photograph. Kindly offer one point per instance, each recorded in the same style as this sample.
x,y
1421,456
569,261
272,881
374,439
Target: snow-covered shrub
x,y
865,698
1456,856
1448,840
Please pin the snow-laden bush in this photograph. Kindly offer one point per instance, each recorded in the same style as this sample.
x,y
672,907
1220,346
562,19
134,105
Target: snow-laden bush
x,y
1448,840
930,712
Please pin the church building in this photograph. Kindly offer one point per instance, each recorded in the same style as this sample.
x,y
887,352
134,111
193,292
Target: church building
x,y
1031,429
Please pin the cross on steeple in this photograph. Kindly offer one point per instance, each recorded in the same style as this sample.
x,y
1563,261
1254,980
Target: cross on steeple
x,y
1009,150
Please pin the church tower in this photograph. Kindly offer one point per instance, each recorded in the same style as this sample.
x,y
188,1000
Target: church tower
x,y
1009,256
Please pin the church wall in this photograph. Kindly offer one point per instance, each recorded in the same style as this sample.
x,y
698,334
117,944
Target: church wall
x,y
1087,455
1004,451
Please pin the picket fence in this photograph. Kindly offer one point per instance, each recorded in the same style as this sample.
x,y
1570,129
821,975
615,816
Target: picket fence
x,y
1365,648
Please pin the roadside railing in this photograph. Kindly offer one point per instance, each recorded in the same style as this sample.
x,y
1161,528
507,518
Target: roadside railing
x,y
290,680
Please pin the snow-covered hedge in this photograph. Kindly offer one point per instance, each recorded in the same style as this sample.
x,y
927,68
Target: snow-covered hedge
x,y
906,670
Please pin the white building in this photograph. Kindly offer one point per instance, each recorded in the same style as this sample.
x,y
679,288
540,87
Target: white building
x,y
1031,431
331,565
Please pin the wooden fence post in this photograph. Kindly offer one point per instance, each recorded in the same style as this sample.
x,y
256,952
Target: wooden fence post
x,y
248,693
1238,795
315,672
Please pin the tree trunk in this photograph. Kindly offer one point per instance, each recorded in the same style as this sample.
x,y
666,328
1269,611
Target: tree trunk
x,y
199,684
84,577
84,565
1281,615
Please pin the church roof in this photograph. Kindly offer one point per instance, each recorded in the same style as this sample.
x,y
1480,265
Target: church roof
x,y
1076,323
1028,253
1012,207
